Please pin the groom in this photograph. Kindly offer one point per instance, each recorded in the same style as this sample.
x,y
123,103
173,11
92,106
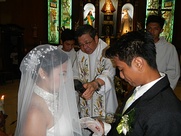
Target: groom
x,y
152,109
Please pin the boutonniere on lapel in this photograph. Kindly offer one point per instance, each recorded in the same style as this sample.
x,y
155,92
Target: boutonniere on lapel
x,y
124,125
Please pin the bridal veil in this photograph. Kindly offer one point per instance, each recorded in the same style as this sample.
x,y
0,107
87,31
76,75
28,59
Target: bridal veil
x,y
46,94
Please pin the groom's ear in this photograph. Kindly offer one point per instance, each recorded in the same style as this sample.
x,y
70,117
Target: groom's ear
x,y
138,63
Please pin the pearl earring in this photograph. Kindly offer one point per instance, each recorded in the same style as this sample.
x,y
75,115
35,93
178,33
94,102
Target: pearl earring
x,y
43,77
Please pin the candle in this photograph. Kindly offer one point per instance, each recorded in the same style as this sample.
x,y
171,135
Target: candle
x,y
2,99
2,104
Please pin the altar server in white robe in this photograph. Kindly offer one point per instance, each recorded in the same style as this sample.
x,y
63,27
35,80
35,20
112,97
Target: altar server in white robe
x,y
68,43
167,56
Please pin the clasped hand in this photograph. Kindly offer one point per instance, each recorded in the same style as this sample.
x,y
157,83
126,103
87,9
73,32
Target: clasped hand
x,y
90,87
95,126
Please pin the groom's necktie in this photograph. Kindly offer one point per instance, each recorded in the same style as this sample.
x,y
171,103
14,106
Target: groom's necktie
x,y
130,100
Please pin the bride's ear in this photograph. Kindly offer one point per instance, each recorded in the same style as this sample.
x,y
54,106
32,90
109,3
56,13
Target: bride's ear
x,y
42,74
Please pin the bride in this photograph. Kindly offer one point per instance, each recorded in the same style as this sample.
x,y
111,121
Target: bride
x,y
46,97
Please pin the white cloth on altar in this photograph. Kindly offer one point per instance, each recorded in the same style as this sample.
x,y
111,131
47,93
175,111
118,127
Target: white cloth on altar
x,y
105,101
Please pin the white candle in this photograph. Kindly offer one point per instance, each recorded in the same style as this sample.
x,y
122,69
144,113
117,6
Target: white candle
x,y
2,104
2,99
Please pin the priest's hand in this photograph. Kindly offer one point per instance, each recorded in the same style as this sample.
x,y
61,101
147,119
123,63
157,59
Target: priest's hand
x,y
90,87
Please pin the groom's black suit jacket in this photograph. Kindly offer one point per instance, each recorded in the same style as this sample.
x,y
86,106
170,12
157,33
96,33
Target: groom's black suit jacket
x,y
157,113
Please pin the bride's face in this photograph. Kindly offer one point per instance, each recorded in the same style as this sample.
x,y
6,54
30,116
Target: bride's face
x,y
58,77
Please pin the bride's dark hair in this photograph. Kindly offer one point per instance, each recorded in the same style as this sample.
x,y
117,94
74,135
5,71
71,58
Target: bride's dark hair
x,y
54,58
43,57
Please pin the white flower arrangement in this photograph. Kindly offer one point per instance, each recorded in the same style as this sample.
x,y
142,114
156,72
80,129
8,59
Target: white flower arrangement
x,y
125,123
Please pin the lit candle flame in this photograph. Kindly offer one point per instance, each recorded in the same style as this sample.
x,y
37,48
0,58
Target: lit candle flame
x,y
2,104
2,97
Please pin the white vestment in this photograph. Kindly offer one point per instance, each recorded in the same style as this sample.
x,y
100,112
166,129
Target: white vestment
x,y
96,66
73,57
167,61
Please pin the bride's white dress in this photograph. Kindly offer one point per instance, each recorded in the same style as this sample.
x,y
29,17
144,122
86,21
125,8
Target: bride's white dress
x,y
62,125
64,131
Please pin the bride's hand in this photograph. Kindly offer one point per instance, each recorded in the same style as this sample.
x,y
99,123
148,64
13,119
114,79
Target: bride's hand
x,y
94,125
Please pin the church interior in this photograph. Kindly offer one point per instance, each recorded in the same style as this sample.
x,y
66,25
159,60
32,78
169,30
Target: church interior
x,y
27,24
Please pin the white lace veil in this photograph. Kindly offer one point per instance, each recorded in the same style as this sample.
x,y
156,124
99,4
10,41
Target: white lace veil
x,y
47,87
